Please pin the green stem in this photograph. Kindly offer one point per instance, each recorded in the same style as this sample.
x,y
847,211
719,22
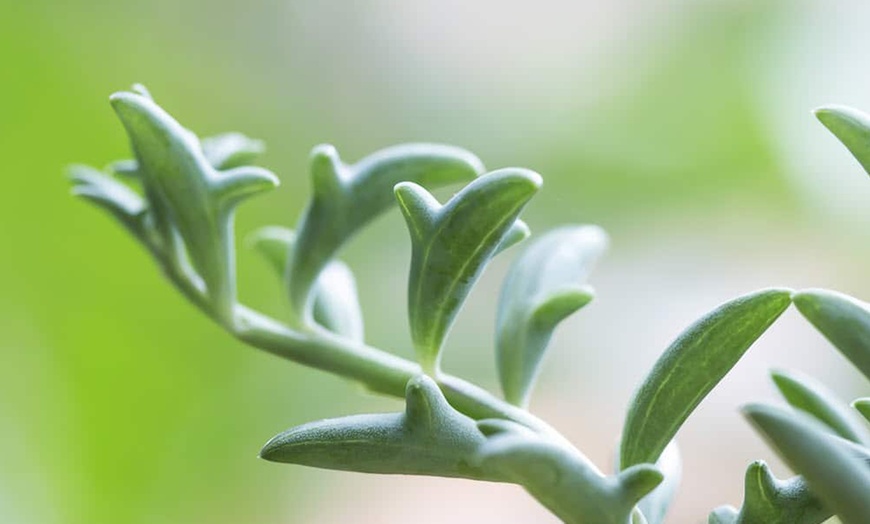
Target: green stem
x,y
378,370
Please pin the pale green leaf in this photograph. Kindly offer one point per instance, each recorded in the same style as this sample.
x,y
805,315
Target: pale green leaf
x,y
346,197
451,245
851,127
772,501
428,438
863,407
336,305
544,285
843,320
812,397
691,367
187,195
831,467
562,479
231,150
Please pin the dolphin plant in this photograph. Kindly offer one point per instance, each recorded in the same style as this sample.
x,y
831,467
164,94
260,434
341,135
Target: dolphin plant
x,y
176,197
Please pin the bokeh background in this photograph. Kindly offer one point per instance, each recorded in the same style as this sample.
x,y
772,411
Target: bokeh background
x,y
683,127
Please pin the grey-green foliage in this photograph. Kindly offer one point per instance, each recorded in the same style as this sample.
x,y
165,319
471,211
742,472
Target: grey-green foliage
x,y
346,197
336,305
770,500
843,320
189,196
177,198
428,438
564,480
451,245
837,472
811,396
691,367
545,284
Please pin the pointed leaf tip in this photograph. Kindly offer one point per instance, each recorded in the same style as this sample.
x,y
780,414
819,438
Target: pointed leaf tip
x,y
691,367
812,397
451,245
830,465
851,127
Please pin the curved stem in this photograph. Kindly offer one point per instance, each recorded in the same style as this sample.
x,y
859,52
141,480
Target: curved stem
x,y
376,369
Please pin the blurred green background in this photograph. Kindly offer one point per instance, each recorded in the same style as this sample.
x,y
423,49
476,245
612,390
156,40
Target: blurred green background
x,y
682,127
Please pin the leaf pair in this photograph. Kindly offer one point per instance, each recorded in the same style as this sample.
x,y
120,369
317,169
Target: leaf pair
x,y
346,197
768,499
432,438
451,245
336,306
190,200
545,285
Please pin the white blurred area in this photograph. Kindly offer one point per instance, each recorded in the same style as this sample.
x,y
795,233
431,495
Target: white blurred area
x,y
514,71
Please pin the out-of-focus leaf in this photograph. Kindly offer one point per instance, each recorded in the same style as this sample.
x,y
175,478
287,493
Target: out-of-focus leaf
x,y
562,479
812,397
843,320
451,245
112,195
863,407
545,284
655,505
851,127
346,197
831,467
772,501
187,195
692,366
231,150
336,305
429,438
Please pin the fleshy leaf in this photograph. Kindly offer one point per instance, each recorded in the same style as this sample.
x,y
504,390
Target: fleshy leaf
x,y
691,367
429,438
655,505
231,150
188,195
851,127
863,407
812,397
544,285
336,306
112,195
346,197
563,480
843,320
832,468
451,245
770,500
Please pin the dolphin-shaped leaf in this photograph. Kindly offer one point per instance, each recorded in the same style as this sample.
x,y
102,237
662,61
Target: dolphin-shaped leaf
x,y
562,479
770,500
812,397
835,469
544,285
346,197
843,320
187,194
851,127
863,407
127,206
428,438
691,367
451,245
336,306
